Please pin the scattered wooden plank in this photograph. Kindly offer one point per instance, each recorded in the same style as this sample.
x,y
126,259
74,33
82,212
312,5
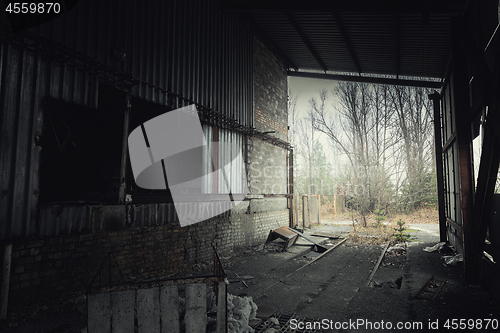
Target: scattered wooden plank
x,y
326,235
240,278
377,264
196,308
169,305
148,310
429,289
320,247
99,314
123,311
322,255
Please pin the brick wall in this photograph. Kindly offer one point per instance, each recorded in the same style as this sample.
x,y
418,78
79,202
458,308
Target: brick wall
x,y
267,164
54,266
267,170
270,92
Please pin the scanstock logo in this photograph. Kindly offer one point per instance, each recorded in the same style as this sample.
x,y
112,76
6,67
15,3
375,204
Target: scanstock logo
x,y
170,151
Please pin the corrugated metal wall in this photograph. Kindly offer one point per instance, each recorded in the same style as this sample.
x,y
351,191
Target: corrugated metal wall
x,y
27,77
187,48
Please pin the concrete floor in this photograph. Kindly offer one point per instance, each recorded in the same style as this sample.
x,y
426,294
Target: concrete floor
x,y
334,288
334,291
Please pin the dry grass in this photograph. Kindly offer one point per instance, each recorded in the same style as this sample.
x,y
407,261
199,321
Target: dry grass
x,y
380,233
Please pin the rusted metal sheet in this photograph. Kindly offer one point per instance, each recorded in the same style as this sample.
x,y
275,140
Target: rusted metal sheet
x,y
285,234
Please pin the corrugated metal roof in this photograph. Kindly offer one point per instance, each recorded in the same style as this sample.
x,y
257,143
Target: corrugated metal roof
x,y
399,39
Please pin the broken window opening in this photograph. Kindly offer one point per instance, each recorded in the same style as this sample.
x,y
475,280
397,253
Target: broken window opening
x,y
81,153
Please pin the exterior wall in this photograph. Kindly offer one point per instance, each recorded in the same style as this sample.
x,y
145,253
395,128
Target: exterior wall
x,y
177,53
268,166
267,170
270,92
59,248
73,242
53,266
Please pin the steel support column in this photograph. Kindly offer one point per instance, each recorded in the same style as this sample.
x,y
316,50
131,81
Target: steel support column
x,y
460,84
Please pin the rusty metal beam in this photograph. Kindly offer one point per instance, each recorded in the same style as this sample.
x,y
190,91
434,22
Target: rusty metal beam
x,y
306,41
488,172
367,79
347,41
461,104
465,51
436,100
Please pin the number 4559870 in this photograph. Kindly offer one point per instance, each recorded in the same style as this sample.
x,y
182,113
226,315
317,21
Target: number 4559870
x,y
33,7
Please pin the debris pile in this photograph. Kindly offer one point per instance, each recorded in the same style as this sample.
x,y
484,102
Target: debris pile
x,y
453,260
440,247
240,310
399,248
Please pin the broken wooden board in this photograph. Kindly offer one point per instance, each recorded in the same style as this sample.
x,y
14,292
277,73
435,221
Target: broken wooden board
x,y
318,248
431,289
326,235
283,233
240,278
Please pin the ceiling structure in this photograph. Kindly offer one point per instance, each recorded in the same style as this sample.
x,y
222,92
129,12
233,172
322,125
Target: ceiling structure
x,y
381,41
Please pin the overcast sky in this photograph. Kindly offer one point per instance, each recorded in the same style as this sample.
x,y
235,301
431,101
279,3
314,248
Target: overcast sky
x,y
306,89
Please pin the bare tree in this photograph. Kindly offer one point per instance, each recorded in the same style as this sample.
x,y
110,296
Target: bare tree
x,y
358,127
414,127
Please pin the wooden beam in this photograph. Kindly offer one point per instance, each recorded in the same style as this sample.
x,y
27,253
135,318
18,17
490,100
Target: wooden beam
x,y
122,193
222,308
347,41
367,79
487,176
460,84
4,291
377,264
436,100
290,187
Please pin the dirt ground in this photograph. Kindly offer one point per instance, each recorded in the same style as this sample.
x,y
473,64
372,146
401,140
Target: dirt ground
x,y
334,288
334,292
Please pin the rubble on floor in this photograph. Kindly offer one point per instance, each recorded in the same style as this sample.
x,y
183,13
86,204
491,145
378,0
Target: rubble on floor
x,y
441,247
240,310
